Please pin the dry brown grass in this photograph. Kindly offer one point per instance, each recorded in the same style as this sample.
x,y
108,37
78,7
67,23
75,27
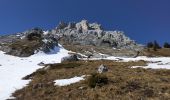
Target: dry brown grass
x,y
165,52
124,83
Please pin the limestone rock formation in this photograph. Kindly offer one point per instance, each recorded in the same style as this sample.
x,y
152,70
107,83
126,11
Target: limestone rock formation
x,y
84,33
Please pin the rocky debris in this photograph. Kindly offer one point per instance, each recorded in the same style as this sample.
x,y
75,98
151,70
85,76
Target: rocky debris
x,y
102,68
70,58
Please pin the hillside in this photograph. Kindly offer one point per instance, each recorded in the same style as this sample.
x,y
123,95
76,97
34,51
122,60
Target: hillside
x,y
81,61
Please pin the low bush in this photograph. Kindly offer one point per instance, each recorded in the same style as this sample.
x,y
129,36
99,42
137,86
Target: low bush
x,y
97,80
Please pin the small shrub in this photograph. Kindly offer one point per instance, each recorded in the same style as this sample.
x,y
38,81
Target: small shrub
x,y
97,80
33,36
148,92
131,85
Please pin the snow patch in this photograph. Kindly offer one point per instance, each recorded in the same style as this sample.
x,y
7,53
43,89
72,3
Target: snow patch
x,y
45,32
65,82
13,69
153,62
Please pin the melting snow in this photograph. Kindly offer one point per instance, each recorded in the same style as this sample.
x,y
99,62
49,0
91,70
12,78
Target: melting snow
x,y
13,69
153,62
65,82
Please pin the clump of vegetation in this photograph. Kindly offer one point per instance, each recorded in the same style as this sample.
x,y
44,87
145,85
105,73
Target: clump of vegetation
x,y
148,91
154,45
35,34
166,45
149,45
97,80
131,85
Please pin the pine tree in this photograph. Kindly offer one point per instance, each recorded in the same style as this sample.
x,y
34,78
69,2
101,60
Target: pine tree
x,y
166,45
156,46
149,45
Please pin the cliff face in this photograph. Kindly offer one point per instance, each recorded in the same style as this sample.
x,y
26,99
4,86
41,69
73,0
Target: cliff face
x,y
84,33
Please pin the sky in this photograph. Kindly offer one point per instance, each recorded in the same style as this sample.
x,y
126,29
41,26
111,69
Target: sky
x,y
141,20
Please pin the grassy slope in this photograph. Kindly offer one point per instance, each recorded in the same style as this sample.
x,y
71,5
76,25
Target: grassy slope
x,y
124,83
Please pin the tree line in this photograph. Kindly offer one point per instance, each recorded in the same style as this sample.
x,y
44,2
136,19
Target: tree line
x,y
155,45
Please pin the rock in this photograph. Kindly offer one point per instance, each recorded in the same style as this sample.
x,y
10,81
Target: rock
x,y
102,68
61,25
82,88
70,58
82,26
41,64
95,26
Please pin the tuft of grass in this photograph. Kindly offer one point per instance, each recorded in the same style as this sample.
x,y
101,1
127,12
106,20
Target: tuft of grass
x,y
97,80
131,85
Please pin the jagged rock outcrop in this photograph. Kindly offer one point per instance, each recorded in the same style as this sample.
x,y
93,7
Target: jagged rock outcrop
x,y
84,33
102,68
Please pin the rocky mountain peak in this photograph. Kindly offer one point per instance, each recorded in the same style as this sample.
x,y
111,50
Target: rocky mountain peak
x,y
85,33
83,25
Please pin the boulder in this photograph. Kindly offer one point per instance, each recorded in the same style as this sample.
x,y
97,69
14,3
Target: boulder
x,y
102,68
70,58
41,64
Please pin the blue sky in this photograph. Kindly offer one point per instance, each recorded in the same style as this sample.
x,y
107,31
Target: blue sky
x,y
141,20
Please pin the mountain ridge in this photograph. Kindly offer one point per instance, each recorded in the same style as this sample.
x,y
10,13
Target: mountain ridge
x,y
83,34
